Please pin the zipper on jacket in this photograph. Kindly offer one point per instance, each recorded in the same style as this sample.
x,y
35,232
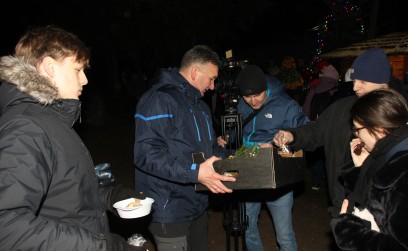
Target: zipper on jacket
x,y
247,142
195,121
208,126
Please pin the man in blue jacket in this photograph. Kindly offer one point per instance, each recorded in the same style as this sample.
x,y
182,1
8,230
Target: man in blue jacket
x,y
278,111
173,123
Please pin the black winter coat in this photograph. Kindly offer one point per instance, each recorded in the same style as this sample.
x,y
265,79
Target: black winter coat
x,y
50,199
332,130
385,196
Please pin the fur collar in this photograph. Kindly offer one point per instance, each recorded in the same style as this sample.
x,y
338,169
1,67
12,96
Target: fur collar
x,y
27,79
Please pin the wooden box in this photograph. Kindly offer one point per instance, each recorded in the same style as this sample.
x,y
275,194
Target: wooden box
x,y
267,170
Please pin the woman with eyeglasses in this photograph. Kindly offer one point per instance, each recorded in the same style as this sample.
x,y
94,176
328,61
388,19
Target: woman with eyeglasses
x,y
375,214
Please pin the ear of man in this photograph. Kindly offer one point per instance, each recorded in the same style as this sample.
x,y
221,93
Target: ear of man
x,y
46,67
194,72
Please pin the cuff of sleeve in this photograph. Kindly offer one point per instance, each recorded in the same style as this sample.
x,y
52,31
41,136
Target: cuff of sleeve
x,y
294,138
192,175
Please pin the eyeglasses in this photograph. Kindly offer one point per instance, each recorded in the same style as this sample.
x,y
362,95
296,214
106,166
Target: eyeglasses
x,y
355,130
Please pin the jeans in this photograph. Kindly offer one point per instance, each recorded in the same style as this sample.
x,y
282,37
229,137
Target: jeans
x,y
281,211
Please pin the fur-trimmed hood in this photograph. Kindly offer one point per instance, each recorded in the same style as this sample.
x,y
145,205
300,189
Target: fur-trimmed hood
x,y
27,79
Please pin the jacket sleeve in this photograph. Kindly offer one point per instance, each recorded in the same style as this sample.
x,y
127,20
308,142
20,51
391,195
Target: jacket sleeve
x,y
333,123
25,174
353,233
310,136
154,124
294,117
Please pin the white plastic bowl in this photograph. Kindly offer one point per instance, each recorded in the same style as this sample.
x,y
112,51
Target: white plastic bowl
x,y
133,212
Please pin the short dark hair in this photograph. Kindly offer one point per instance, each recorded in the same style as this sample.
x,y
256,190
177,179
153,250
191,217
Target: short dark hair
x,y
381,108
200,54
40,42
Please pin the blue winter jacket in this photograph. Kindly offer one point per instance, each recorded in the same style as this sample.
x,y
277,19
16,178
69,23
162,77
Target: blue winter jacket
x,y
172,123
279,112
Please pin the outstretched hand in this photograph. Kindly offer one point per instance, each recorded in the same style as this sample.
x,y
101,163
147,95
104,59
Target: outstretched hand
x,y
282,138
211,179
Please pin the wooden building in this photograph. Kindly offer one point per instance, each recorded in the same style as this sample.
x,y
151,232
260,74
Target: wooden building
x,y
395,46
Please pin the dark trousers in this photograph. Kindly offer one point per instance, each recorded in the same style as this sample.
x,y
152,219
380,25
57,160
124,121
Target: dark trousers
x,y
185,236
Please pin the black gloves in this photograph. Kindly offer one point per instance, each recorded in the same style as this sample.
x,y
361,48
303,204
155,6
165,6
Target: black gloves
x,y
119,193
104,174
115,242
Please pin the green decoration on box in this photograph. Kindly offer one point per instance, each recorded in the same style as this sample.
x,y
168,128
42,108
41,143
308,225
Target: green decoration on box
x,y
245,152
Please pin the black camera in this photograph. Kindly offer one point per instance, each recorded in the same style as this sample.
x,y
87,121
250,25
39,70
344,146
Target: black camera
x,y
227,87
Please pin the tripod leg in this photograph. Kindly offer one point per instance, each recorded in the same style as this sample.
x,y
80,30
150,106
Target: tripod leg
x,y
227,224
243,223
236,240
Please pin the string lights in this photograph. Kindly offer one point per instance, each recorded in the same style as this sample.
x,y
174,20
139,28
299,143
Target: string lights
x,y
343,16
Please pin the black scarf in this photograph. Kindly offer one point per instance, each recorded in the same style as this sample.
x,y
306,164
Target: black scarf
x,y
373,163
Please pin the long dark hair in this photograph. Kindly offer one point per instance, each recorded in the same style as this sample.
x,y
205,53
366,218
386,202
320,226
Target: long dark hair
x,y
383,109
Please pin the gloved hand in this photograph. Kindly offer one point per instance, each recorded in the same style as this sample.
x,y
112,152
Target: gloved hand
x,y
104,173
120,192
115,242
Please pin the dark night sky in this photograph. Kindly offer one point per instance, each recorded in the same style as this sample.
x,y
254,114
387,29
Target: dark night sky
x,y
281,22
283,28
163,32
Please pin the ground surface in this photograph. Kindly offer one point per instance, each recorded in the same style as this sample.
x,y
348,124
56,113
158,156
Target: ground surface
x,y
109,135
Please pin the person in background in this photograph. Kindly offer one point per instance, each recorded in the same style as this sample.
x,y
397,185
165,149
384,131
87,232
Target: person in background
x,y
278,111
50,194
318,98
172,124
332,130
289,74
373,217
321,90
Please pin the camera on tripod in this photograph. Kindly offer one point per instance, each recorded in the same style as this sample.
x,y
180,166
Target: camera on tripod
x,y
227,87
229,94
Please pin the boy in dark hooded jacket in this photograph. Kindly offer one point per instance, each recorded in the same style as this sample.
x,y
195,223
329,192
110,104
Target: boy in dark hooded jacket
x,y
50,195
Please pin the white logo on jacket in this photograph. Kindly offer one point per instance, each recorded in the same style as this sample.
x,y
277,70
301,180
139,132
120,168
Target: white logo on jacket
x,y
268,115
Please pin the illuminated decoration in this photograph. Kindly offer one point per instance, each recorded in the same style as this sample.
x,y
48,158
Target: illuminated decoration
x,y
343,25
289,74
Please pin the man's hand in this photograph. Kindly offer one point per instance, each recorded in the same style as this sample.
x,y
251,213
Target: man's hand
x,y
221,141
211,179
265,145
115,242
282,138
